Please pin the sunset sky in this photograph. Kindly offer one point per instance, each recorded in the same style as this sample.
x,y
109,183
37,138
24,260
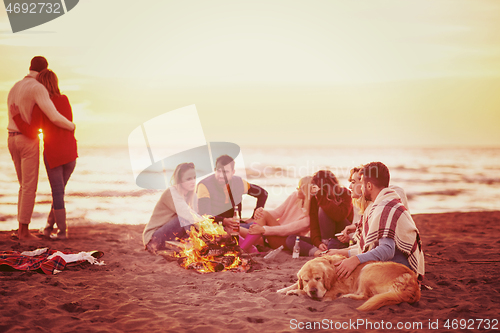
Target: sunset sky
x,y
378,73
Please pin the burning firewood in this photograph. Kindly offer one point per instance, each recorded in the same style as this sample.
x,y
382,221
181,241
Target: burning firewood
x,y
202,266
210,249
168,254
215,251
175,246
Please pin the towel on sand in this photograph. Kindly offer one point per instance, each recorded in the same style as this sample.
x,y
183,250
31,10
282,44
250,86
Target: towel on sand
x,y
45,260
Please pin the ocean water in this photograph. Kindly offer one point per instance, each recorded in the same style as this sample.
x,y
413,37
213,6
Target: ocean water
x,y
103,189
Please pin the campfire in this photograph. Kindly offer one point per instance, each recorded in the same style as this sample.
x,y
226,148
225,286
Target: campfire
x,y
209,248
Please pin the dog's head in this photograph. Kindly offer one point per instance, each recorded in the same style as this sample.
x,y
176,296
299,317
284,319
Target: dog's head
x,y
318,276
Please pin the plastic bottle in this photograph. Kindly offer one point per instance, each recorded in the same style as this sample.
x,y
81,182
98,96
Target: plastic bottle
x,y
273,253
296,248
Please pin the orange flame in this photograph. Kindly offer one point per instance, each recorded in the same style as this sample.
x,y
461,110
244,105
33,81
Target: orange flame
x,y
195,245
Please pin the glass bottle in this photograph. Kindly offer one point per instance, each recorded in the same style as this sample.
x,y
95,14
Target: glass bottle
x,y
296,248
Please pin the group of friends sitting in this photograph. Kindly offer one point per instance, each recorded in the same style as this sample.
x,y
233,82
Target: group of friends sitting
x,y
370,221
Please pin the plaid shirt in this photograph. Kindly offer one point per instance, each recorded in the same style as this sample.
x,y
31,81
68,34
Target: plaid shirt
x,y
17,261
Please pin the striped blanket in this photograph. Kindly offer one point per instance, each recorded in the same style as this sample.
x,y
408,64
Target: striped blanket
x,y
388,217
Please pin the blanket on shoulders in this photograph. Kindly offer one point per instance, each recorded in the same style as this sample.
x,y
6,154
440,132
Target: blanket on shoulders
x,y
388,217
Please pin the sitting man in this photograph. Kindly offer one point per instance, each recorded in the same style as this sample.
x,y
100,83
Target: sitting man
x,y
213,197
360,204
387,231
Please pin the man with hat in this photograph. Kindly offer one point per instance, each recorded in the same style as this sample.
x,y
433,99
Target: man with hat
x,y
24,151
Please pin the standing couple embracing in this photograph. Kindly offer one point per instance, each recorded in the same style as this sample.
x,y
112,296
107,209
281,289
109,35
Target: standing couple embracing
x,y
36,103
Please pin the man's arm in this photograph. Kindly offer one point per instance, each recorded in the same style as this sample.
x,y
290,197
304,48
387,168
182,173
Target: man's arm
x,y
259,193
43,100
383,252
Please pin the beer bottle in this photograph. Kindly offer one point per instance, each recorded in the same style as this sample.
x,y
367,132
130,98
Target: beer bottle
x,y
236,218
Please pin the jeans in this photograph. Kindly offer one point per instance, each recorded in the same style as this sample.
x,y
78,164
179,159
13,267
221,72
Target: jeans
x,y
168,232
25,155
328,229
58,178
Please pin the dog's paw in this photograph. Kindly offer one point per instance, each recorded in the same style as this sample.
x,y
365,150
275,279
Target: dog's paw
x,y
354,296
296,292
286,289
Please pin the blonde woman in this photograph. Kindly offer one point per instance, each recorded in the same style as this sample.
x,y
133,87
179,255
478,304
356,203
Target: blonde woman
x,y
290,218
360,204
175,212
358,201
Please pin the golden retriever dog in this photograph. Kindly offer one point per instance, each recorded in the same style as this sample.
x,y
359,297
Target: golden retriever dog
x,y
380,283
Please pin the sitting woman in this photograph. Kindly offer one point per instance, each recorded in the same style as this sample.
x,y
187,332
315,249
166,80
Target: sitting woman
x,y
290,218
330,212
358,201
175,212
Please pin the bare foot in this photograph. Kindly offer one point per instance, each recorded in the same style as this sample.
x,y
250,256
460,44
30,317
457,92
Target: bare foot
x,y
24,234
27,236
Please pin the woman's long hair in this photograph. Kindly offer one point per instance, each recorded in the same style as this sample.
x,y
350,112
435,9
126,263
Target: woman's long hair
x,y
329,186
49,79
177,178
305,187
360,202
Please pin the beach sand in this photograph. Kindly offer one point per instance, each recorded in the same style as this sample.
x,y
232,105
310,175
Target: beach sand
x,y
139,292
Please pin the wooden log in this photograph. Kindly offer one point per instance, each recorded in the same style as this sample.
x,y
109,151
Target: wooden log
x,y
224,240
227,260
207,265
168,254
175,246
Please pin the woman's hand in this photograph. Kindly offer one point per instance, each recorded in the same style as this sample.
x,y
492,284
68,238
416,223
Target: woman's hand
x,y
323,247
344,238
259,213
342,252
331,252
256,229
14,110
